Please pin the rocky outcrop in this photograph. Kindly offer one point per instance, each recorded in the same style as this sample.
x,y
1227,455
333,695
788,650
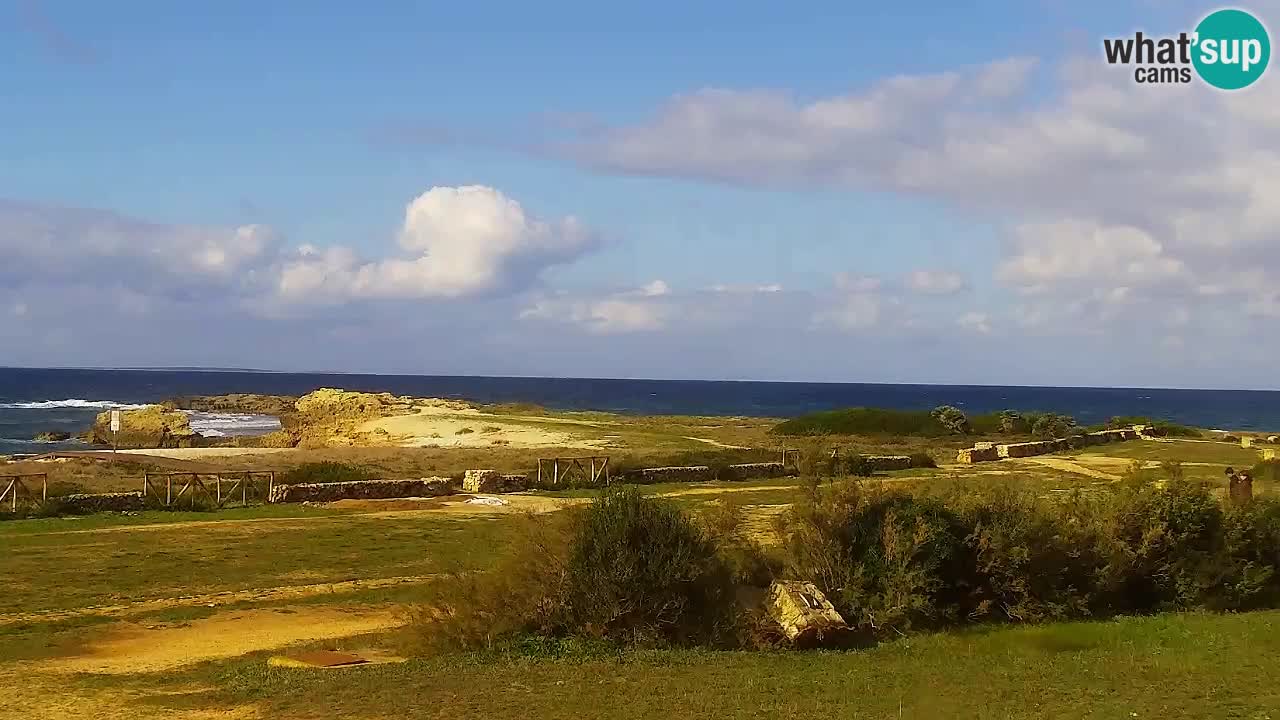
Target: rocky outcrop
x,y
757,471
363,490
805,615
52,436
492,481
251,403
150,427
102,502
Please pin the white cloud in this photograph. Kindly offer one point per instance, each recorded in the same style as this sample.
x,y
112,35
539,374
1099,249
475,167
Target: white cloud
x,y
1108,192
42,242
976,322
935,282
644,309
657,288
460,242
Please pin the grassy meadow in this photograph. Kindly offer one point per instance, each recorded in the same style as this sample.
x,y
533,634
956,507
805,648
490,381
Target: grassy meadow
x,y
193,604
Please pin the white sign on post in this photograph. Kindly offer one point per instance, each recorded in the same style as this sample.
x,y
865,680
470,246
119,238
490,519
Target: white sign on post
x,y
115,421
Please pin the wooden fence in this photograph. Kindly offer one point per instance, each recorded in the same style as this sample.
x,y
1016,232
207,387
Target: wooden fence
x,y
15,491
556,472
243,488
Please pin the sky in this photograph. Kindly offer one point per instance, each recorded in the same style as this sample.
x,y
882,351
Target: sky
x,y
826,191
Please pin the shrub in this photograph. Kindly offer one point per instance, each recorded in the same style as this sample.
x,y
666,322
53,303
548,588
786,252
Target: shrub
x,y
1011,422
1158,427
923,460
1052,425
1030,561
864,421
325,472
1267,471
1249,570
628,568
857,466
951,418
881,557
1161,543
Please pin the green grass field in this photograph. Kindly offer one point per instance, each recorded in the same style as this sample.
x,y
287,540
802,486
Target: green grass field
x,y
172,565
1176,666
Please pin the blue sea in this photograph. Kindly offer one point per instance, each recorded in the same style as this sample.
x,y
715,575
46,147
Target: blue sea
x,y
35,400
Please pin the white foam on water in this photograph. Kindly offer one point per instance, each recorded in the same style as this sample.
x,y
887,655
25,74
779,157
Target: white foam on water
x,y
71,403
212,424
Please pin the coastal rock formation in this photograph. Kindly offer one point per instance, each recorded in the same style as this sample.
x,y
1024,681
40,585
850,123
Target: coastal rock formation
x,y
150,427
52,436
363,490
251,403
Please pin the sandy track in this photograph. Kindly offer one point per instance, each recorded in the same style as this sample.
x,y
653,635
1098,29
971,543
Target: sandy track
x,y
202,453
135,648
284,592
1072,467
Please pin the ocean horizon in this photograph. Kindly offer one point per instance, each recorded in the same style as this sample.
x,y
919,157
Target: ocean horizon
x,y
34,400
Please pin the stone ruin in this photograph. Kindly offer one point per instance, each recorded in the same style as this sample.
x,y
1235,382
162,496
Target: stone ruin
x,y
988,452
492,481
887,463
805,615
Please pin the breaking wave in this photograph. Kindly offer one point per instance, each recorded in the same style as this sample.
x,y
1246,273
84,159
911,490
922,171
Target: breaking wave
x,y
71,403
210,424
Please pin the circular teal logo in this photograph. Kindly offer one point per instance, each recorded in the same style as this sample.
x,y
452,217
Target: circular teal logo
x,y
1231,49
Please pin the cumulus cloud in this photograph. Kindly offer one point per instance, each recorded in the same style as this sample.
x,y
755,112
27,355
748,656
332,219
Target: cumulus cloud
x,y
1105,192
458,242
44,243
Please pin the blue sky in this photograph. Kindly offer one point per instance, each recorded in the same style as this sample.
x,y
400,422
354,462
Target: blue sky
x,y
321,123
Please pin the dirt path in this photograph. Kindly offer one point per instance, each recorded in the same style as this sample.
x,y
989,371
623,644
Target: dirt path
x,y
131,648
1071,467
716,443
202,453
228,597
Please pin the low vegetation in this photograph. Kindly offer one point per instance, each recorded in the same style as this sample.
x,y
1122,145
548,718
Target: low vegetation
x,y
325,472
942,421
635,570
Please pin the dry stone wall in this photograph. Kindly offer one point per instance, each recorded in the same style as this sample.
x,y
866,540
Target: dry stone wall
x,y
756,471
694,473
363,490
103,502
987,452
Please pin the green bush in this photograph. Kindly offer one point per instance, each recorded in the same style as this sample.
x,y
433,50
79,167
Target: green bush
x,y
883,558
1162,544
1162,428
923,460
864,421
1266,471
628,569
325,472
1030,561
952,418
1248,573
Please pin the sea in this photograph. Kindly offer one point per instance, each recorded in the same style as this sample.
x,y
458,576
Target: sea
x,y
36,400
